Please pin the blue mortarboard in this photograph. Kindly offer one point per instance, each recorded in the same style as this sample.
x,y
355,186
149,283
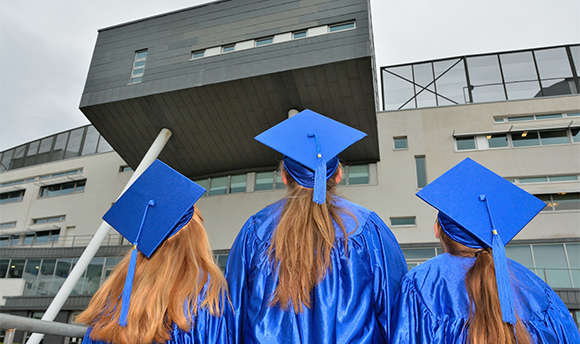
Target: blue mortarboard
x,y
312,141
478,208
155,207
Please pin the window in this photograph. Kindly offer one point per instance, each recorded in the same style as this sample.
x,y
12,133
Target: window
x,y
138,69
554,69
400,142
264,181
575,134
228,48
341,26
424,77
74,143
465,142
561,201
421,171
522,254
7,225
525,139
358,174
103,146
521,79
527,180
419,253
61,174
125,168
399,91
238,183
403,221
91,140
485,78
16,268
551,265
279,183
12,196
497,140
520,118
198,54
218,186
549,116
50,219
264,41
4,263
63,188
299,34
553,137
563,178
44,237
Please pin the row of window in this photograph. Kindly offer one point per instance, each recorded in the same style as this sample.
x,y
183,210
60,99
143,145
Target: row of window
x,y
543,179
272,180
561,201
482,78
140,58
557,264
534,117
46,191
42,177
526,138
69,144
283,37
30,238
7,225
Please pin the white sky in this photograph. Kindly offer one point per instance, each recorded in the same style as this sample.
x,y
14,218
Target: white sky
x,y
46,46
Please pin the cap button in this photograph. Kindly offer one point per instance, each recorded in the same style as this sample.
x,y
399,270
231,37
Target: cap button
x,y
319,155
494,232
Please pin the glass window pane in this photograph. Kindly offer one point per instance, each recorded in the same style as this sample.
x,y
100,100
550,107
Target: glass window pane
x,y
525,139
425,87
465,142
141,54
33,148
549,116
520,75
400,142
554,68
264,181
91,139
575,134
74,143
521,254
575,50
563,178
104,146
520,118
218,186
63,266
298,34
279,182
7,159
4,267
59,145
264,41
32,268
421,171
16,268
398,88
404,221
497,140
93,275
526,180
228,48
47,267
574,255
419,253
238,183
197,54
567,201
341,26
451,83
550,256
485,78
45,144
553,137
358,174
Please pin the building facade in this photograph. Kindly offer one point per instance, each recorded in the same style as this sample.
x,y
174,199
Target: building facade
x,y
218,74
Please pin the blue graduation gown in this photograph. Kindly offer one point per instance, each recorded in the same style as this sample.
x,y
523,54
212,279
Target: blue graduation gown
x,y
352,304
433,306
205,329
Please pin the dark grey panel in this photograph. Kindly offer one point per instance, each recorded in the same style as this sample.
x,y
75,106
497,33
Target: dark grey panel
x,y
41,303
571,297
60,252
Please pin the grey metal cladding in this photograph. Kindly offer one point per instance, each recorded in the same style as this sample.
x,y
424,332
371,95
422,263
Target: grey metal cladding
x,y
170,38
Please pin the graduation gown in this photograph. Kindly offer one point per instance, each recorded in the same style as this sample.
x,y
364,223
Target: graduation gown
x,y
433,306
205,329
352,304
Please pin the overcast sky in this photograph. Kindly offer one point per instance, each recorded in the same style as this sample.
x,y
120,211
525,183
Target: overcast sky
x,y
46,46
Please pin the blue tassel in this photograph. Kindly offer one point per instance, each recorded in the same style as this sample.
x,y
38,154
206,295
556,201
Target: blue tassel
x,y
502,277
319,195
126,298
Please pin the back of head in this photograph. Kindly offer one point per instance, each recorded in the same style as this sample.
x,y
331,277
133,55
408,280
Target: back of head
x,y
485,317
172,277
302,242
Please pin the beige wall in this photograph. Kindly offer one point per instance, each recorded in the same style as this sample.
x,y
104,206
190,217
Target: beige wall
x,y
393,179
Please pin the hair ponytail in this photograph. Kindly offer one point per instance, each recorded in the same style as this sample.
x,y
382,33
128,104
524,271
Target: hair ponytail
x,y
302,242
485,320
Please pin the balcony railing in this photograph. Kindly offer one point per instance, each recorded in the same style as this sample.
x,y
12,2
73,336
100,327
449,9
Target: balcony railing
x,y
112,239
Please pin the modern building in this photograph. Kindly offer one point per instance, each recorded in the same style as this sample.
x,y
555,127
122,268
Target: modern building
x,y
218,74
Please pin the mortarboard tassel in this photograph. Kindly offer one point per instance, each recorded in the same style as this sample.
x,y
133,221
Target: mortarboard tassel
x,y
319,194
502,277
128,287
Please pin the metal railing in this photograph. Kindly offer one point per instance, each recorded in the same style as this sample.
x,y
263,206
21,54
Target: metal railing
x,y
11,323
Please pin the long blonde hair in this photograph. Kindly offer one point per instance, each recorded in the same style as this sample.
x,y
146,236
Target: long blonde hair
x,y
485,320
166,290
302,242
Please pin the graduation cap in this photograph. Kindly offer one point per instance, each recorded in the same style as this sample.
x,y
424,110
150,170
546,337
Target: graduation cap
x,y
310,143
478,208
154,208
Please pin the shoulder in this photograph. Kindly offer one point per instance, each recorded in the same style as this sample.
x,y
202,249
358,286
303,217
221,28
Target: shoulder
x,y
354,215
534,296
261,224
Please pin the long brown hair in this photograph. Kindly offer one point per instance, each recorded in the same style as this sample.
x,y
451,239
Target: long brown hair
x,y
171,279
485,321
302,242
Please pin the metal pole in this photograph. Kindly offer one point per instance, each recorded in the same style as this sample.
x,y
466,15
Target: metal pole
x,y
48,327
93,246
